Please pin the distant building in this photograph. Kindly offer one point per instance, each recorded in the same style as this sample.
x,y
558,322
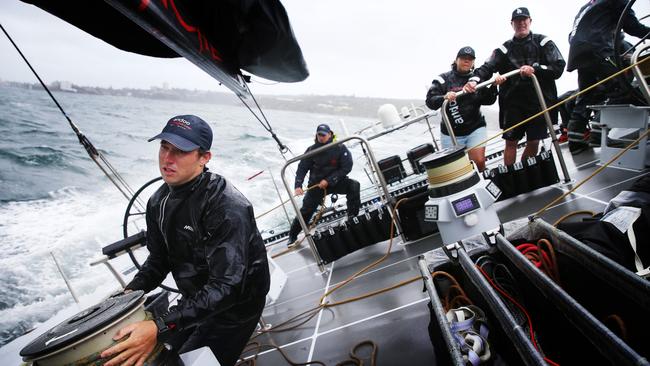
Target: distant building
x,y
64,86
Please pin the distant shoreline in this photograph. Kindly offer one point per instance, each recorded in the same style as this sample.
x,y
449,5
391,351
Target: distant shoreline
x,y
340,105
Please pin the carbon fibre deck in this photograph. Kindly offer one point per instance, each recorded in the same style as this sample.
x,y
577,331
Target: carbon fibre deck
x,y
397,320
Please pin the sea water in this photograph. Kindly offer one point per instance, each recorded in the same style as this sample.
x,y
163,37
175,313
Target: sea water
x,y
55,201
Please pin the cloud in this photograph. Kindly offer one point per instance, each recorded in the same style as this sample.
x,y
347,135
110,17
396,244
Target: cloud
x,y
380,48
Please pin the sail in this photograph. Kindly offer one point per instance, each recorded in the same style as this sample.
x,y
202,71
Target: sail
x,y
221,37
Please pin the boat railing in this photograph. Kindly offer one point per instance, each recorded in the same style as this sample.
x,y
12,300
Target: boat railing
x,y
125,246
408,122
542,103
380,182
639,74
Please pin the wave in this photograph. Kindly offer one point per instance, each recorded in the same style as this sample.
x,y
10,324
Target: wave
x,y
54,198
251,137
39,156
72,223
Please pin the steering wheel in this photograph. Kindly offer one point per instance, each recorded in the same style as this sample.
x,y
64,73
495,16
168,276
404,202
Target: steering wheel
x,y
618,52
125,226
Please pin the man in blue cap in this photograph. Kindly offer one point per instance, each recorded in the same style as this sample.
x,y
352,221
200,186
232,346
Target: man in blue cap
x,y
327,173
202,230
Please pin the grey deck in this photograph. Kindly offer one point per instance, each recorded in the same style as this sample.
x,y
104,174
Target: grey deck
x,y
397,320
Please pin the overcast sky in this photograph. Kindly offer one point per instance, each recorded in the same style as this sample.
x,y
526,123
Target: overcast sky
x,y
379,48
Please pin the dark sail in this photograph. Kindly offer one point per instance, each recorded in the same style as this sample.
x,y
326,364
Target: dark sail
x,y
221,37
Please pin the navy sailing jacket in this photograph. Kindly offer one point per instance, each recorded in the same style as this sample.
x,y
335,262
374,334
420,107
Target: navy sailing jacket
x,y
592,36
535,50
332,165
464,113
204,232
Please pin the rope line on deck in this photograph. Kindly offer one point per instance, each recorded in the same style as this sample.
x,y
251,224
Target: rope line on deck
x,y
596,172
612,76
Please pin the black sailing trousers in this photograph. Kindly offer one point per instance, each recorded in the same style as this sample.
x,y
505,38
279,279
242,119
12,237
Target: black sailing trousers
x,y
349,187
588,76
225,337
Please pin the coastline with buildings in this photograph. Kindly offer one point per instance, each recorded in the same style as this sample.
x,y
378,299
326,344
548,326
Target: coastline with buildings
x,y
327,104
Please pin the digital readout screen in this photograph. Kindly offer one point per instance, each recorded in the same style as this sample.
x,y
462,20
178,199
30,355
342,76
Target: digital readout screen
x,y
465,205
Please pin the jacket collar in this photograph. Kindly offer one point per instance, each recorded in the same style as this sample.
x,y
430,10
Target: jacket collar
x,y
525,39
189,186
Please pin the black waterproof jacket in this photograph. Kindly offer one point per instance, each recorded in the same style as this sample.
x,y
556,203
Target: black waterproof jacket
x,y
592,37
535,50
332,165
204,232
465,112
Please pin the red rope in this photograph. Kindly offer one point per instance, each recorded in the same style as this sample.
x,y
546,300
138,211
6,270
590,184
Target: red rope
x,y
255,175
543,257
530,322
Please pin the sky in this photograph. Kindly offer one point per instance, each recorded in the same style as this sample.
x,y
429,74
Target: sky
x,y
365,48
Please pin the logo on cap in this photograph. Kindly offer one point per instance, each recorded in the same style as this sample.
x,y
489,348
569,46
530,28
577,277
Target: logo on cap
x,y
521,12
179,122
187,133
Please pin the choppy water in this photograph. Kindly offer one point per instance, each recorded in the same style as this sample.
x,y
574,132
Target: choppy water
x,y
54,199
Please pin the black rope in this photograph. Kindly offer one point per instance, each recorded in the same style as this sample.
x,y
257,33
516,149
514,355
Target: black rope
x,y
265,123
76,130
635,45
618,55
617,36
83,140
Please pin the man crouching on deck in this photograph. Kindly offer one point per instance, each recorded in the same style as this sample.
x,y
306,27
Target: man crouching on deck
x,y
203,230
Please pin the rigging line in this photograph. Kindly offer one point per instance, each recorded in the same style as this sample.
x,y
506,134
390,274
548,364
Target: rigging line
x,y
610,77
259,108
631,145
638,43
83,140
616,39
127,187
266,124
110,177
74,127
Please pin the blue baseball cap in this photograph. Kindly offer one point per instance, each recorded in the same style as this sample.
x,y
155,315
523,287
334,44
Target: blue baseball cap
x,y
187,133
323,129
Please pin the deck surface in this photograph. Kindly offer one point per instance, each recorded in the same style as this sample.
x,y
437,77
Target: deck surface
x,y
397,320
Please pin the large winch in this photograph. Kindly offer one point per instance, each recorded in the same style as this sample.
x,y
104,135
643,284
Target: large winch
x,y
84,335
460,200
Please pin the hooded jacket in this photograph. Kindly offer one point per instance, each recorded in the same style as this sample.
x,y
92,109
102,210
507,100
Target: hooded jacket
x,y
535,50
592,37
204,233
332,165
464,113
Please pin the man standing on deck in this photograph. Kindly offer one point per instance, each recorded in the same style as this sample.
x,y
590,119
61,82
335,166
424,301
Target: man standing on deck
x,y
591,52
530,54
327,173
202,230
